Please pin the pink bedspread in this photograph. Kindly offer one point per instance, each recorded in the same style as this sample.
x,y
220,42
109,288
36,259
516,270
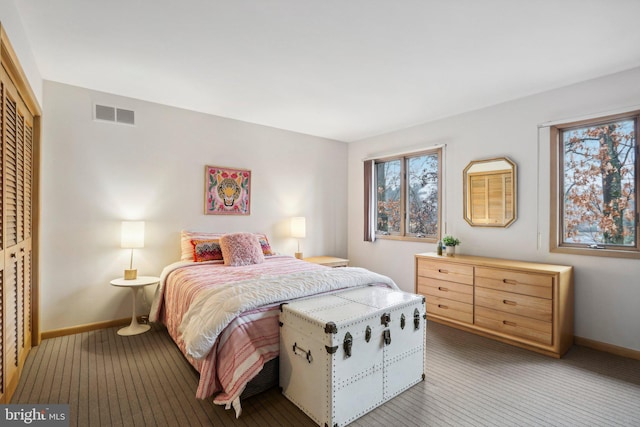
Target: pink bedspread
x,y
251,340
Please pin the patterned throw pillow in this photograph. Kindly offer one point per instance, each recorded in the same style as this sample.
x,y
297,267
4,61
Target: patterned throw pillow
x,y
206,250
264,244
241,249
186,248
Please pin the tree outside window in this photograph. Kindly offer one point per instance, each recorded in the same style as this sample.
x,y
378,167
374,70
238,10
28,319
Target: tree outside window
x,y
408,196
422,185
598,179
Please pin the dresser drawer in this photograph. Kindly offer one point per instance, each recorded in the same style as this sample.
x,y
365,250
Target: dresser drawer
x,y
509,302
512,324
451,309
538,285
450,290
450,272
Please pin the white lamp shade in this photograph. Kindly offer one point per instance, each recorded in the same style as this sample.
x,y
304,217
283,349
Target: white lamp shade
x,y
298,227
132,234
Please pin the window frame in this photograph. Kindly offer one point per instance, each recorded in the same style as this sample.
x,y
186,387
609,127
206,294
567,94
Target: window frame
x,y
404,196
556,239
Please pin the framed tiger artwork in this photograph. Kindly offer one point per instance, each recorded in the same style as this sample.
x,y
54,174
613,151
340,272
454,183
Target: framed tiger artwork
x,y
227,191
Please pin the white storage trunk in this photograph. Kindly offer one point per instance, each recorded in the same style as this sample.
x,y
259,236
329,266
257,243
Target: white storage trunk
x,y
344,354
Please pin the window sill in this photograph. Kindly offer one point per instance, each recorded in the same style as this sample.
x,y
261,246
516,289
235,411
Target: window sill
x,y
406,238
607,253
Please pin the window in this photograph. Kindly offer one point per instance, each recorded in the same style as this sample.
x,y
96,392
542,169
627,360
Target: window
x,y
406,196
594,187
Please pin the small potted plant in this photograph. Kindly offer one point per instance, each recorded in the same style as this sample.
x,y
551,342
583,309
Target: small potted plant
x,y
450,243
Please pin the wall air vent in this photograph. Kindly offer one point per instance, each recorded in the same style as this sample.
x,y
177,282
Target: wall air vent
x,y
113,114
125,116
105,113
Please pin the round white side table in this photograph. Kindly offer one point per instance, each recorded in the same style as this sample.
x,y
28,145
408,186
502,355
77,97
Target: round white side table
x,y
135,285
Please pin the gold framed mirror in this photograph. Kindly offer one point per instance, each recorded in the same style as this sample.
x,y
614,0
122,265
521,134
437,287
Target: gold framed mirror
x,y
490,192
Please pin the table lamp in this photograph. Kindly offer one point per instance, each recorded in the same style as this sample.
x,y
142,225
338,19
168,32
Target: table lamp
x,y
298,230
132,237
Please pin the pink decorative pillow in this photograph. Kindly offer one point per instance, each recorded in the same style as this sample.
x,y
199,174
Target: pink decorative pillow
x,y
241,249
206,250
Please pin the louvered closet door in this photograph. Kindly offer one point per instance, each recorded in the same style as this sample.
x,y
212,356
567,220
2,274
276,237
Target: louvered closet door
x,y
17,182
3,340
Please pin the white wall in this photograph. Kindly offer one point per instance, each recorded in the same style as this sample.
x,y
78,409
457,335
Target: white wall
x,y
95,174
607,291
12,24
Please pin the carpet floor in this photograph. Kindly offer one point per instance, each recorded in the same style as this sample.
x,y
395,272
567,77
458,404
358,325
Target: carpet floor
x,y
144,380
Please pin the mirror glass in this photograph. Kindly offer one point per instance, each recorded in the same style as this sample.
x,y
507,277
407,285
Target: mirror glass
x,y
490,192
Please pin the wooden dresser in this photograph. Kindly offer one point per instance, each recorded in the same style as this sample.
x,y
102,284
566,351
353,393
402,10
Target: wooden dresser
x,y
526,304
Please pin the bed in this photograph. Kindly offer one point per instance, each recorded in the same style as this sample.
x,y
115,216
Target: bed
x,y
220,304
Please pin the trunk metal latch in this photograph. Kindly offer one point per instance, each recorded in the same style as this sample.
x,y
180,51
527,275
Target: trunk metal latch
x,y
348,342
385,319
387,337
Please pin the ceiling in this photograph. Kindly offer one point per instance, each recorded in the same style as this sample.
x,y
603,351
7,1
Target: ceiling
x,y
340,69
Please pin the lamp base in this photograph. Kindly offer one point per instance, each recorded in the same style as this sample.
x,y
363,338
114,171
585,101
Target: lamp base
x,y
130,274
299,255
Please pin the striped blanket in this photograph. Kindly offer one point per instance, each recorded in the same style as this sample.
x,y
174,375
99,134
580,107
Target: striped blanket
x,y
225,323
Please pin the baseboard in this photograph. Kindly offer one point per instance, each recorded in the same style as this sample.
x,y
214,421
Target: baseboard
x,y
607,348
85,328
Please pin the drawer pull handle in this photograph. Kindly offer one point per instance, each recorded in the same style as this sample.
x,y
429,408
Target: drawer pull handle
x,y
443,271
506,322
442,306
506,301
443,289
510,282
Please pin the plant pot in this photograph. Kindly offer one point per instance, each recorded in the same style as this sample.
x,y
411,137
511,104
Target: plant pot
x,y
451,250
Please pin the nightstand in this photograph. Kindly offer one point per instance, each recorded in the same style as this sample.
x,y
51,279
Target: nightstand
x,y
329,261
135,285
